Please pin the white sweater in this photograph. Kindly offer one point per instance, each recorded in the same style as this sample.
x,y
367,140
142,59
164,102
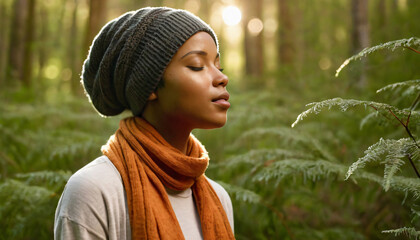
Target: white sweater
x,y
94,206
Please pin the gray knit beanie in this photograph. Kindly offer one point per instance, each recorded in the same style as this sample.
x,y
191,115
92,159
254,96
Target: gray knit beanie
x,y
129,55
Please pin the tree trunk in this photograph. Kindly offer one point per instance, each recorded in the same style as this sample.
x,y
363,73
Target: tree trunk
x,y
286,48
97,18
29,44
254,61
74,61
4,43
14,67
360,35
44,41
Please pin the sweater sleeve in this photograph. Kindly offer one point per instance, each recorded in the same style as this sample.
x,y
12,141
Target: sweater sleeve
x,y
68,229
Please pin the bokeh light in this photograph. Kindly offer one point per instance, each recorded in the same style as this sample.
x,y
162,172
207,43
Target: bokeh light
x,y
324,63
255,26
231,15
51,71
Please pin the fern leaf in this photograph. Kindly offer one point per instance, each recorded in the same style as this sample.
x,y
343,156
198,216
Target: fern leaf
x,y
390,151
414,152
241,194
397,183
313,170
406,185
410,232
367,119
261,156
405,43
393,164
50,177
266,136
411,83
344,105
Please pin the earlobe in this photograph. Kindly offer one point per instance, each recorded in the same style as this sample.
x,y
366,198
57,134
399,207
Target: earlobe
x,y
152,96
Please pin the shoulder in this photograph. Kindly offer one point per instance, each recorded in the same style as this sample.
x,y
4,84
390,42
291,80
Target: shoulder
x,y
224,199
93,196
220,191
99,176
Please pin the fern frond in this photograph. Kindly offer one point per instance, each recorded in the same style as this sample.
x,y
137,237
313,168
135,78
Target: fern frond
x,y
261,156
73,149
411,83
414,152
313,170
392,45
368,118
406,185
49,177
266,136
410,232
241,194
416,214
390,150
393,163
275,136
13,190
397,183
344,105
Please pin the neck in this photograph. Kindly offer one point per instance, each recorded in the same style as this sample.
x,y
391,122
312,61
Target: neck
x,y
174,133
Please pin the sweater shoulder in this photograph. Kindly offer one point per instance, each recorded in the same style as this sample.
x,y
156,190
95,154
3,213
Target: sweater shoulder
x,y
94,197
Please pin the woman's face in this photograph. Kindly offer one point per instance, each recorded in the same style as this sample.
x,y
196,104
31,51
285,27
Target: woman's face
x,y
194,93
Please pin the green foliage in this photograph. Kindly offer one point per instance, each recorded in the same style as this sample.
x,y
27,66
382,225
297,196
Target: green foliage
x,y
26,205
389,152
410,232
43,144
392,153
401,43
413,84
344,104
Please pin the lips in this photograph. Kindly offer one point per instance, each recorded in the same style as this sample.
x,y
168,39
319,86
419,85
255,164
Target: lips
x,y
222,100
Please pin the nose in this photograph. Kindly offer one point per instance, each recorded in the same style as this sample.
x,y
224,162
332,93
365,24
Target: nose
x,y
220,79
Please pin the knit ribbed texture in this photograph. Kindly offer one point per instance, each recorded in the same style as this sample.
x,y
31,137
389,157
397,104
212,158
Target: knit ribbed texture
x,y
128,57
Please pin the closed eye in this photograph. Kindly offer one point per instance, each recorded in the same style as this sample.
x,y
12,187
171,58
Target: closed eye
x,y
195,68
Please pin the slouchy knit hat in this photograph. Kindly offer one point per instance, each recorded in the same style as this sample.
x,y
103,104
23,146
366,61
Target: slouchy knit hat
x,y
129,55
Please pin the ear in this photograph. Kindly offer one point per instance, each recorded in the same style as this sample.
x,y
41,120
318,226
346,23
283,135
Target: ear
x,y
152,96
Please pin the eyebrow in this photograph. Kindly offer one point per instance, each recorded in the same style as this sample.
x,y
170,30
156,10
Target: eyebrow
x,y
197,52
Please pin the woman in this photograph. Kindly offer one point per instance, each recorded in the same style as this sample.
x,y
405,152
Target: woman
x,y
163,65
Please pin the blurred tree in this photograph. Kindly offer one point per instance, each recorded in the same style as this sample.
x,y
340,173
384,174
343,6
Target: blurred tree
x,y
360,35
97,18
205,7
17,33
286,39
29,44
42,39
153,3
74,61
4,29
253,40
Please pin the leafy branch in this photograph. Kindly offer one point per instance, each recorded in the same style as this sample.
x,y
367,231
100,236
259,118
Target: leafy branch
x,y
404,43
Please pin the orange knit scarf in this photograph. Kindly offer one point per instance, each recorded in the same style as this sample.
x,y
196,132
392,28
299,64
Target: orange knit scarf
x,y
148,164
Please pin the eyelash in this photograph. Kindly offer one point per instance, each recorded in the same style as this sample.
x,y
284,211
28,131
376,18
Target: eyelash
x,y
201,68
196,68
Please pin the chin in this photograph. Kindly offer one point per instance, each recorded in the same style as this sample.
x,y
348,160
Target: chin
x,y
216,123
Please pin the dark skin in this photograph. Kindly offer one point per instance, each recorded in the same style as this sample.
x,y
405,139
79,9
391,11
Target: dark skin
x,y
194,95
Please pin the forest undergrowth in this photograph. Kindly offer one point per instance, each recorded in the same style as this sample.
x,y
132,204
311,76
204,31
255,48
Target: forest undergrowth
x,y
285,183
